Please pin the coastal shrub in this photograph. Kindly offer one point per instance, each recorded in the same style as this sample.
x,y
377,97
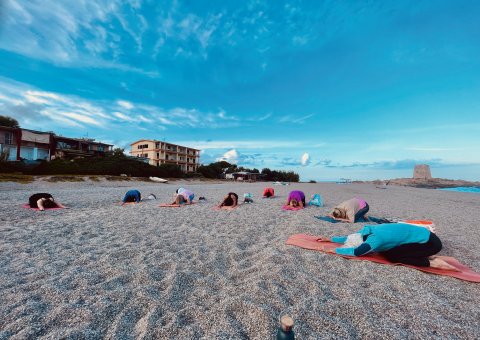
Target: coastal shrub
x,y
281,176
111,165
10,167
219,169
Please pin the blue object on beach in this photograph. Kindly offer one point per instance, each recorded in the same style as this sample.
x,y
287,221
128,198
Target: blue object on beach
x,y
248,198
316,200
362,220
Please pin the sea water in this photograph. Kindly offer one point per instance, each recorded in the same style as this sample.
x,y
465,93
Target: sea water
x,y
475,190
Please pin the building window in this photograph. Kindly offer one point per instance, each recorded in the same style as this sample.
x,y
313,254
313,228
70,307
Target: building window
x,y
100,148
8,138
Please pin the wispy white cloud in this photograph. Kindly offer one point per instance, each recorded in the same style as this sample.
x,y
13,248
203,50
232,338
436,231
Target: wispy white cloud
x,y
78,33
433,149
26,103
125,104
236,144
295,119
123,117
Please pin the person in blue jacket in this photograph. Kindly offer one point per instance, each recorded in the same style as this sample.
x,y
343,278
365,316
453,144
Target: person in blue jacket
x,y
398,242
132,196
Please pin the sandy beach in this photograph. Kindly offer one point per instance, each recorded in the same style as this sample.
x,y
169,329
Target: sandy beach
x,y
99,270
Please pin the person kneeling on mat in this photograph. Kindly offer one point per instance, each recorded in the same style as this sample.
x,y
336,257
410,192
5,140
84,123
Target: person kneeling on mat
x,y
398,242
43,201
231,200
350,211
132,196
296,198
183,196
268,192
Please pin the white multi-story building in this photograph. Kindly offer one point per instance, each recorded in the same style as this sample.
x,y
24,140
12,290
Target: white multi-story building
x,y
159,152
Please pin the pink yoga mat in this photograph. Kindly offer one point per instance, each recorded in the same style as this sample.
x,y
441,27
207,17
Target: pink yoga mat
x,y
227,208
310,242
27,206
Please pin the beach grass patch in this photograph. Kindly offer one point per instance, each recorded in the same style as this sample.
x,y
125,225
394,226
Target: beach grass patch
x,y
55,179
18,178
117,178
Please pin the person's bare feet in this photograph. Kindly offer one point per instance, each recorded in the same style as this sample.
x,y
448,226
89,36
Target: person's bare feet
x,y
441,264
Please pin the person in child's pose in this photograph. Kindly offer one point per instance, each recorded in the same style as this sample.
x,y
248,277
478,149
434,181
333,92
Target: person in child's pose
x,y
398,242
43,201
296,198
230,201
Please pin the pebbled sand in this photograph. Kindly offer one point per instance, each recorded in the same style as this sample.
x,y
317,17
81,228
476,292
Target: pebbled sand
x,y
99,270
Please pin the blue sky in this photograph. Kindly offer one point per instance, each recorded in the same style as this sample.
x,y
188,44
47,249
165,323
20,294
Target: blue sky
x,y
329,89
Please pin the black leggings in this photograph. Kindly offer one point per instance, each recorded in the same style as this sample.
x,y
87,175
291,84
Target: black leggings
x,y
359,216
415,254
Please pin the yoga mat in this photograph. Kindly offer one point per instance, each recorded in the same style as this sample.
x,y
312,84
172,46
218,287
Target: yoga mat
x,y
27,206
328,219
288,207
376,220
228,207
310,242
165,205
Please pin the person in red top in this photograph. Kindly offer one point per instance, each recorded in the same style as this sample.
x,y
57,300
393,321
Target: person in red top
x,y
268,192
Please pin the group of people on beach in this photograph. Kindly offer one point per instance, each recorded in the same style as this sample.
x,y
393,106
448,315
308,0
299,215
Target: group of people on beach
x,y
398,242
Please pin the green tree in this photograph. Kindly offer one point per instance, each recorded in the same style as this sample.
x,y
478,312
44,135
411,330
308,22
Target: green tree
x,y
9,121
118,152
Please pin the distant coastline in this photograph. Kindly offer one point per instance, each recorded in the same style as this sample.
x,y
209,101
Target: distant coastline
x,y
432,183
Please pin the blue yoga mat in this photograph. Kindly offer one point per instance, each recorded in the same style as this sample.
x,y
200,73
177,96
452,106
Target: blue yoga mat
x,y
362,220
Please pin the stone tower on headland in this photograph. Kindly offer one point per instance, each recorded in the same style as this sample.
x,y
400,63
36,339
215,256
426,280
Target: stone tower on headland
x,y
422,171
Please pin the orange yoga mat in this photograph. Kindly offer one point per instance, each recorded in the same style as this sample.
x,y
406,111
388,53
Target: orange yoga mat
x,y
310,242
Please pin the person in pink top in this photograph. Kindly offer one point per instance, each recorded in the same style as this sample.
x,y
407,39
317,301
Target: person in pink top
x,y
350,211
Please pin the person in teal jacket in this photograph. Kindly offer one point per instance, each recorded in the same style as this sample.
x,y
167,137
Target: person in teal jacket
x,y
398,242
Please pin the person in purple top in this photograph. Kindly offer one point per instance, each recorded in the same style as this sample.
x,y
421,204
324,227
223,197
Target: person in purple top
x,y
296,198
